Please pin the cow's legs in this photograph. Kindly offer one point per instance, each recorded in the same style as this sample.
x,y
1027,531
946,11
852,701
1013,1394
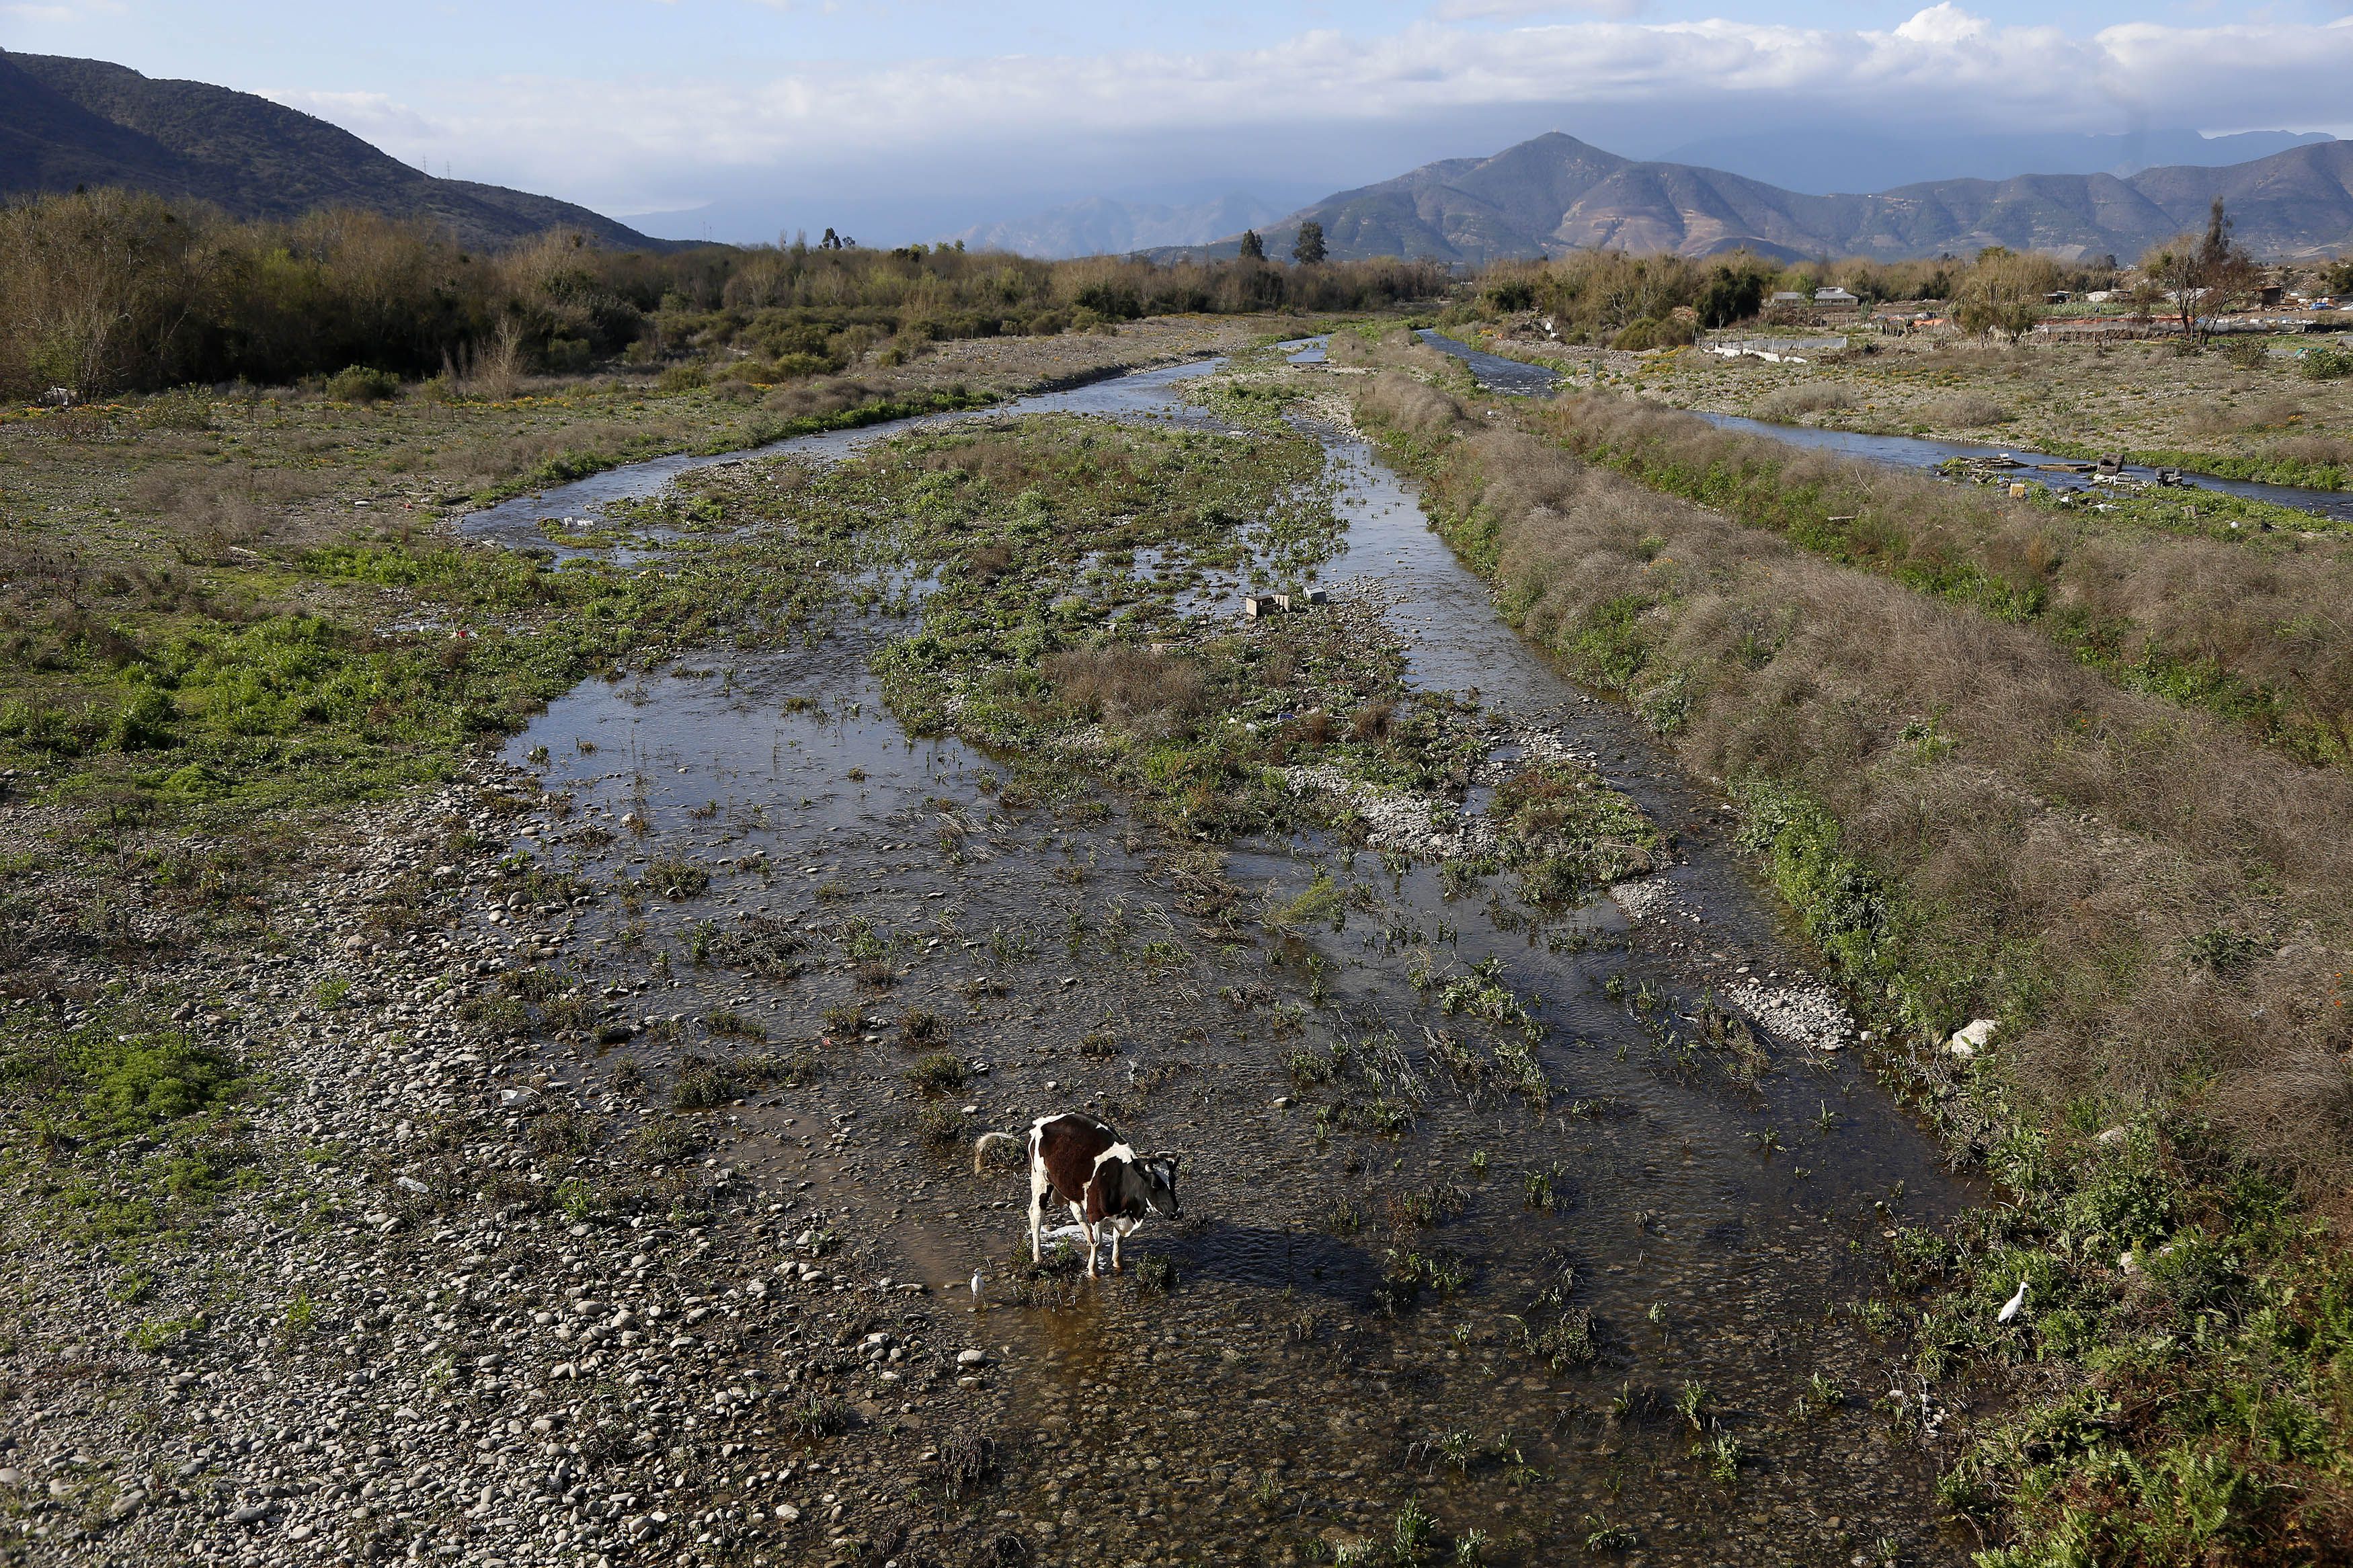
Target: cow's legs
x,y
1078,1213
1037,1180
1118,1234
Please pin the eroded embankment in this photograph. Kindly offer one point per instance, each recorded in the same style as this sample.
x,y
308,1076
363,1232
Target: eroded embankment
x,y
1975,826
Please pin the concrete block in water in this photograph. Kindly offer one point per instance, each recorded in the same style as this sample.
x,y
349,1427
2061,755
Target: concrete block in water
x,y
1257,604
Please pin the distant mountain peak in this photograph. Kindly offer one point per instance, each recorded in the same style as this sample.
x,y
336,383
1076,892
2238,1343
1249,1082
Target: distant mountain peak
x,y
65,123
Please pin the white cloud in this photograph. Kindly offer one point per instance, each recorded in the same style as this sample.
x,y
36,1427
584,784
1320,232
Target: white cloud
x,y
376,116
1943,24
637,144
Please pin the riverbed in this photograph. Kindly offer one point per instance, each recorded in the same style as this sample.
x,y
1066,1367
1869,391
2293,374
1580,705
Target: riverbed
x,y
1636,1312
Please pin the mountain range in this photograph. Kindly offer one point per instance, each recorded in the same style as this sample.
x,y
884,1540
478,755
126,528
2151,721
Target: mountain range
x,y
67,122
1555,193
1829,155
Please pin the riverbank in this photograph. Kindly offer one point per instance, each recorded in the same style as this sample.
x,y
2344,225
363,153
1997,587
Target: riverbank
x,y
2222,412
1973,830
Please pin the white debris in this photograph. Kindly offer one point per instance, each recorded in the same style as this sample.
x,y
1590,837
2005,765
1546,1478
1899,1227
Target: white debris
x,y
1969,1041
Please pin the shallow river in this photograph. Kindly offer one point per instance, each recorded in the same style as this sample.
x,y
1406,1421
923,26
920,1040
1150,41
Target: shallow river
x,y
1719,1230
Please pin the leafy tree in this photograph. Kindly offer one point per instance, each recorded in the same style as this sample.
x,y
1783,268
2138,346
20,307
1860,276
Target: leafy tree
x,y
2005,291
1508,294
1253,247
1733,291
1309,249
2337,278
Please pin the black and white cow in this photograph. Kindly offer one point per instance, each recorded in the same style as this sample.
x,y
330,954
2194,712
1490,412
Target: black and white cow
x,y
1082,1161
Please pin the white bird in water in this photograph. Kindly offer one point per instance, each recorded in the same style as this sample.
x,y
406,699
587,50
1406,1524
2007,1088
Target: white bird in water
x,y
976,1283
2015,1305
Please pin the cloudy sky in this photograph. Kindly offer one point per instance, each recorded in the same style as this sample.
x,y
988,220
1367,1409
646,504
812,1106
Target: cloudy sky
x,y
901,119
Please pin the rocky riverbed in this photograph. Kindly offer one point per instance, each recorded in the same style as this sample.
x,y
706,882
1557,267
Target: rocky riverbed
x,y
571,1163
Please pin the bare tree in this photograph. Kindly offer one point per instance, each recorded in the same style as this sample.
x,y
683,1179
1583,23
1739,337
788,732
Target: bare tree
x,y
2201,276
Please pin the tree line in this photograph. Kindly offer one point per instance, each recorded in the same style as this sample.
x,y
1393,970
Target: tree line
x,y
1614,299
111,290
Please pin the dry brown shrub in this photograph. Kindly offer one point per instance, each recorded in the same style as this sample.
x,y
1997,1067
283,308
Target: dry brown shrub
x,y
2275,411
1371,721
2073,844
490,368
209,513
1145,693
821,395
1396,350
988,563
1410,405
1965,411
1788,404
2315,448
2217,419
2269,617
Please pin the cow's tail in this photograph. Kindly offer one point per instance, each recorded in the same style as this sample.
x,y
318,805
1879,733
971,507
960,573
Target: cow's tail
x,y
980,1146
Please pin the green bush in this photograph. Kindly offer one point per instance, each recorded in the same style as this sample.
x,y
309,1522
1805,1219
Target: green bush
x,y
2326,364
567,356
1647,333
146,722
359,383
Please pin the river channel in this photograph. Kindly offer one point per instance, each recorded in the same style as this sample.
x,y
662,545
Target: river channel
x,y
1519,379
1645,1326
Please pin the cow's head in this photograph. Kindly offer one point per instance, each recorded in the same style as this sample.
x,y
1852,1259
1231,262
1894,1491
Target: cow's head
x,y
1160,1187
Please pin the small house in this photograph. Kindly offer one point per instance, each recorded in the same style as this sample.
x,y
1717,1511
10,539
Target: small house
x,y
1834,297
1786,296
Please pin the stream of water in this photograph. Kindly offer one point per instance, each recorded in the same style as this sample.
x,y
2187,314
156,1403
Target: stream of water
x,y
1717,1231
